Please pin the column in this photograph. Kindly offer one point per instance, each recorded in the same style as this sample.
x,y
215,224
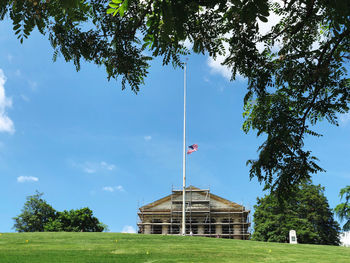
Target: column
x,y
147,229
201,230
164,229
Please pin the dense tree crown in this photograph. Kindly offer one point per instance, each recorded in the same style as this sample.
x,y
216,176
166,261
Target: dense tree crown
x,y
36,213
38,216
343,210
80,220
296,70
307,212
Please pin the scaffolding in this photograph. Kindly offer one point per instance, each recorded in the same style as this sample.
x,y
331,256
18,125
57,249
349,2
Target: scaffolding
x,y
194,208
203,218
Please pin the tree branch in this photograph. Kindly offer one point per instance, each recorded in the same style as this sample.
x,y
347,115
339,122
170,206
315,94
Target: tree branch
x,y
319,66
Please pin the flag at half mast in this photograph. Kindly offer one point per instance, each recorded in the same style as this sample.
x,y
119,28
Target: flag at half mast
x,y
192,148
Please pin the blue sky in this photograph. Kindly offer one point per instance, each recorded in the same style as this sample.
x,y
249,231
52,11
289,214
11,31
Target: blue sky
x,y
82,141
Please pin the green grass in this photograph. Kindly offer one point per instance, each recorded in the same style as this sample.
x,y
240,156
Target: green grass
x,y
114,247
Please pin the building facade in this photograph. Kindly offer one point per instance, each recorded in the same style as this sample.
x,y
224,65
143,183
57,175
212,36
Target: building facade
x,y
206,215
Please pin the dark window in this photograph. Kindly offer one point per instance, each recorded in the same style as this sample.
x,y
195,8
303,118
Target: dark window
x,y
192,225
156,226
174,228
227,226
209,228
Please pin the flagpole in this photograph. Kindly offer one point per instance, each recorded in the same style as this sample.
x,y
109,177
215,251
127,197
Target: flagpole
x,y
184,162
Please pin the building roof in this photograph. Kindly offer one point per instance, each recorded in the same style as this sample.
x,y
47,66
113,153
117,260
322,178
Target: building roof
x,y
203,192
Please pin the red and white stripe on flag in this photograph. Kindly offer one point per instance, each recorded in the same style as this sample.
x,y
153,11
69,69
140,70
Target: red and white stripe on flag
x,y
192,148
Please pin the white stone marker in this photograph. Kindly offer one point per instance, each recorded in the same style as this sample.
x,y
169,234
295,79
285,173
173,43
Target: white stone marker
x,y
293,237
345,239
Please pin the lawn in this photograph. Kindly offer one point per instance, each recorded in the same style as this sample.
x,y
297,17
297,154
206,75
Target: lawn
x,y
115,247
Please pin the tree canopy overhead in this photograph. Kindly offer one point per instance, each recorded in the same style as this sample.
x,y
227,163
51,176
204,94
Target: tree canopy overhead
x,y
296,71
81,30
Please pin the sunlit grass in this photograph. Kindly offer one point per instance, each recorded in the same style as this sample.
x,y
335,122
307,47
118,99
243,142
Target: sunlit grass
x,y
113,247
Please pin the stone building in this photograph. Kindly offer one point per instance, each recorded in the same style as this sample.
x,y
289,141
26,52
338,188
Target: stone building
x,y
206,215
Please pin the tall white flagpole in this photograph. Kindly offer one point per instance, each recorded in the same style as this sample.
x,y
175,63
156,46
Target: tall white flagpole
x,y
184,163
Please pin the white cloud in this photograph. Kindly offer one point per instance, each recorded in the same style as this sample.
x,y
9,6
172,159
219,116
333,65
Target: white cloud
x,y
25,98
217,68
188,44
87,167
18,73
94,167
264,28
344,119
120,188
24,179
147,138
112,189
224,71
89,170
6,124
272,20
128,229
108,189
33,85
107,166
9,57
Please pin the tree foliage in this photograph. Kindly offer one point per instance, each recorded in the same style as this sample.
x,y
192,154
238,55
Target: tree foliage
x,y
34,215
81,30
343,209
296,71
80,220
307,212
38,216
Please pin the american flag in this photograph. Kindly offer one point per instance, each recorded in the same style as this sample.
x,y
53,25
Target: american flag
x,y
192,148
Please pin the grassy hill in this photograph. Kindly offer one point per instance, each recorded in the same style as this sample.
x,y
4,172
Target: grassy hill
x,y
114,247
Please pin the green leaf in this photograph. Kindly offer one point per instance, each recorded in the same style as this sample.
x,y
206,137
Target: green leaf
x,y
123,8
265,12
16,27
121,11
70,3
114,5
263,19
110,10
262,7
